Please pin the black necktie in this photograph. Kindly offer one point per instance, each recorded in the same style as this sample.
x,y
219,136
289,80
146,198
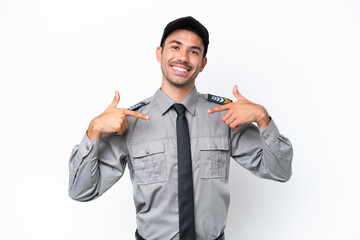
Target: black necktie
x,y
185,180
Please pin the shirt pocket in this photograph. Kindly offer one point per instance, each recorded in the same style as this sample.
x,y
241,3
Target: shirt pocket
x,y
148,162
214,157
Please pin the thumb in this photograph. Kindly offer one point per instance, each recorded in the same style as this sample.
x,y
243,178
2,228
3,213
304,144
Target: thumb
x,y
237,94
115,101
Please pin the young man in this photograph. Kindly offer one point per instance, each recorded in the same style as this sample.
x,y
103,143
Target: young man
x,y
177,145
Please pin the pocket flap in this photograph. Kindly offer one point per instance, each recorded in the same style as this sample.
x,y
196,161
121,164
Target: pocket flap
x,y
146,148
212,144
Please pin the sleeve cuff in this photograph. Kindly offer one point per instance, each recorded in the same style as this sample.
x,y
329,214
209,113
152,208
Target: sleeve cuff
x,y
270,134
87,145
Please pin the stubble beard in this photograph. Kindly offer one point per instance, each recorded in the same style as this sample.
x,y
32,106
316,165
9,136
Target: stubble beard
x,y
178,82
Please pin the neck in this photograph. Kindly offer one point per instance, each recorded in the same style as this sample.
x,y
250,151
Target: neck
x,y
176,93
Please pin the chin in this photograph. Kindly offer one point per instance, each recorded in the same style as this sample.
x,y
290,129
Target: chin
x,y
180,83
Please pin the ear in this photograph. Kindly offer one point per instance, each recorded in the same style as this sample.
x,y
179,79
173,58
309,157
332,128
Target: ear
x,y
203,64
158,54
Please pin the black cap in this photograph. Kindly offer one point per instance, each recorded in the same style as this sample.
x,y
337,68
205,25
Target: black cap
x,y
188,23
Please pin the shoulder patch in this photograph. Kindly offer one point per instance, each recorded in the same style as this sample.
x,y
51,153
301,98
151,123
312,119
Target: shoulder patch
x,y
138,106
218,99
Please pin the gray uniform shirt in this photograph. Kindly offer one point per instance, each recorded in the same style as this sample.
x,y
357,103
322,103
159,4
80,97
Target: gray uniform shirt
x,y
149,150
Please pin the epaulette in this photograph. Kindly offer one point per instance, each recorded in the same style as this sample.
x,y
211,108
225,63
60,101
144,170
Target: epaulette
x,y
138,105
218,99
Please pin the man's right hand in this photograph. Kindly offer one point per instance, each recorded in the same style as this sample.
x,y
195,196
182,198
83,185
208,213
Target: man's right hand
x,y
112,120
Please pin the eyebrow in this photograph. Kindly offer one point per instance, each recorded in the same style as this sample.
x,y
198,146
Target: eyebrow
x,y
180,43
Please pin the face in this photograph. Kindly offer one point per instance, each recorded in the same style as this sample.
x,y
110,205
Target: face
x,y
181,58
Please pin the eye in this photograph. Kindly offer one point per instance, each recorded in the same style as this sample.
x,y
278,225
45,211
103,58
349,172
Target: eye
x,y
194,52
175,47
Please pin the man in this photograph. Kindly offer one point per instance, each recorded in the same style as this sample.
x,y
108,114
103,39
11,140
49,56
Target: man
x,y
178,154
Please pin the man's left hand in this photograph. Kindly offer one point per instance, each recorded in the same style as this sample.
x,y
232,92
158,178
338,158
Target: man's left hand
x,y
242,111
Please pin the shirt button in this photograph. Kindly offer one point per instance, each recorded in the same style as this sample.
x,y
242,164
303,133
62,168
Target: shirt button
x,y
215,146
266,136
87,147
147,151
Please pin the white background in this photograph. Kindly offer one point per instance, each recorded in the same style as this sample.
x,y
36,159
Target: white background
x,y
61,61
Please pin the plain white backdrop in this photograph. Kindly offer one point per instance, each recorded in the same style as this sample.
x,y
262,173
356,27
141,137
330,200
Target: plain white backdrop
x,y
61,62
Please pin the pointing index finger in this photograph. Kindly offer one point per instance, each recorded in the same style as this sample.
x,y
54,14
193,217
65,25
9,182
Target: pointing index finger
x,y
218,108
136,114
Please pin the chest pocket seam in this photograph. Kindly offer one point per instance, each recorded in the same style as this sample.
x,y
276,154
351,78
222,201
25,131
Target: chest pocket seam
x,y
214,155
148,162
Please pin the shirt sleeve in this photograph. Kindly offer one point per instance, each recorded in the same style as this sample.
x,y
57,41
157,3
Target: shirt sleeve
x,y
264,152
96,165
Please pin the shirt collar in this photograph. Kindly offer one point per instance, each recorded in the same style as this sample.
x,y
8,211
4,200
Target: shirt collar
x,y
165,102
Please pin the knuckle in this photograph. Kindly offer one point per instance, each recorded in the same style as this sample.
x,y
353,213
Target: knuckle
x,y
118,126
121,112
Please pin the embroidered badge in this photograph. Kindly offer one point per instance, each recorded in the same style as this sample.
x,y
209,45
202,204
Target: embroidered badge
x,y
137,106
217,99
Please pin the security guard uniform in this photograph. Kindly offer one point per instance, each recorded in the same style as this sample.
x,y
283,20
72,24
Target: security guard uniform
x,y
149,149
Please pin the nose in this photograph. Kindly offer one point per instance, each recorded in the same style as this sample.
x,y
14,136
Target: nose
x,y
183,56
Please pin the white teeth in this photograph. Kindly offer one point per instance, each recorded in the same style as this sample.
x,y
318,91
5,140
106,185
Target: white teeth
x,y
180,69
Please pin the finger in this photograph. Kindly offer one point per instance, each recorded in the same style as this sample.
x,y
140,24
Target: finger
x,y
120,132
124,126
235,124
115,101
126,123
219,108
226,116
237,94
136,114
230,120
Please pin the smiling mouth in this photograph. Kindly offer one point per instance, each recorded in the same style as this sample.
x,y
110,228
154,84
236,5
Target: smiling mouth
x,y
180,69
